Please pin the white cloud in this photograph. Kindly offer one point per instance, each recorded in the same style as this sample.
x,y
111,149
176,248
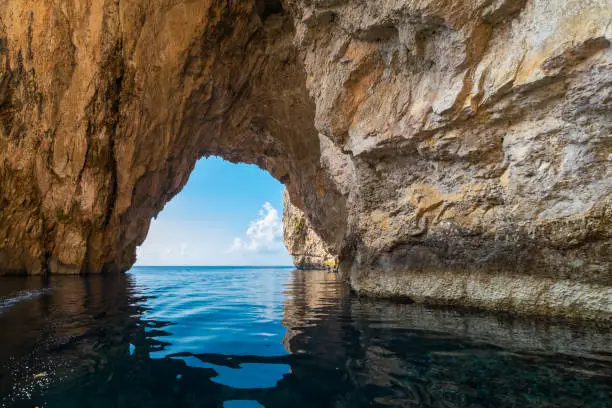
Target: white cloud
x,y
265,234
184,246
207,241
179,242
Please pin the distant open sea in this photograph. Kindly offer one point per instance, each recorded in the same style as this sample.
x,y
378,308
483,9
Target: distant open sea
x,y
277,337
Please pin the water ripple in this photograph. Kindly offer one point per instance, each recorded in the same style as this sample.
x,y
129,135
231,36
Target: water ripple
x,y
265,337
22,296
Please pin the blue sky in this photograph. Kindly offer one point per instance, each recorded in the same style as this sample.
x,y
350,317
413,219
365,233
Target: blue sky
x,y
227,214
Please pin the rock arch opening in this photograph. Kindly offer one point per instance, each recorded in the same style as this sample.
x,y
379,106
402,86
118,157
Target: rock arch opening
x,y
171,84
226,215
431,147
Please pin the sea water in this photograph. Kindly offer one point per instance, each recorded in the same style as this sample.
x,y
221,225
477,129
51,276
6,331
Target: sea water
x,y
277,337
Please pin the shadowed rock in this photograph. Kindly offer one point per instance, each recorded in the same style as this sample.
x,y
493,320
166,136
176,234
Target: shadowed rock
x,y
452,153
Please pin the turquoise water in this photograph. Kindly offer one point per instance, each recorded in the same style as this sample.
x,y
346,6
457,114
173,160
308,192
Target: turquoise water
x,y
275,337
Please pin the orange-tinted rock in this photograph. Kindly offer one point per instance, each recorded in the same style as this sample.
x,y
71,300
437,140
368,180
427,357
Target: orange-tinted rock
x,y
426,142
306,247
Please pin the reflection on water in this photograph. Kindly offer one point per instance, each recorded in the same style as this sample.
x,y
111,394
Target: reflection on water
x,y
227,337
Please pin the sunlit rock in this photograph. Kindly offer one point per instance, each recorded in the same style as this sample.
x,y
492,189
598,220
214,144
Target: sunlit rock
x,y
444,152
308,250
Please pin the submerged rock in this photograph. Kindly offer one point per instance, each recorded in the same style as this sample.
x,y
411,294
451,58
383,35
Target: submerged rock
x,y
452,153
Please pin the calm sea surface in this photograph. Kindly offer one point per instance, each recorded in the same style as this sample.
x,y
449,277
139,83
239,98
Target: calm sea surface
x,y
275,337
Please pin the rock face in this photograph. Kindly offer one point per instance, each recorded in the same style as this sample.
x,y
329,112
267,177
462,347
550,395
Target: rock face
x,y
454,152
306,247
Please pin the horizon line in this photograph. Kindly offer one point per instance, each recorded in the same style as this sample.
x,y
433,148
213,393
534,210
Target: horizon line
x,y
216,266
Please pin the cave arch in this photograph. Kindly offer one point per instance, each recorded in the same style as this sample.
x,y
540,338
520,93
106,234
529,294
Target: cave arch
x,y
237,91
172,83
432,146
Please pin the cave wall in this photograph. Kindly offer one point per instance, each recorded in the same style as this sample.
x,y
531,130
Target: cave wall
x,y
308,250
443,150
478,136
106,107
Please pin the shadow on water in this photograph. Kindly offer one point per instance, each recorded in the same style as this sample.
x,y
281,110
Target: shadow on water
x,y
208,338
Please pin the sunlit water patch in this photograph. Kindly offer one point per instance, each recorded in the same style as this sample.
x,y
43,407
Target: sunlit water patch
x,y
275,337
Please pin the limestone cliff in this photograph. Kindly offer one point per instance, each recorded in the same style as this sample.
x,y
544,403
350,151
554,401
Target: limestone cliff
x,y
456,152
306,247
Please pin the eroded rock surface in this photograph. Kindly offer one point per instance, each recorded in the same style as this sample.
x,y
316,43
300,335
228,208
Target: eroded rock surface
x,y
306,247
456,152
